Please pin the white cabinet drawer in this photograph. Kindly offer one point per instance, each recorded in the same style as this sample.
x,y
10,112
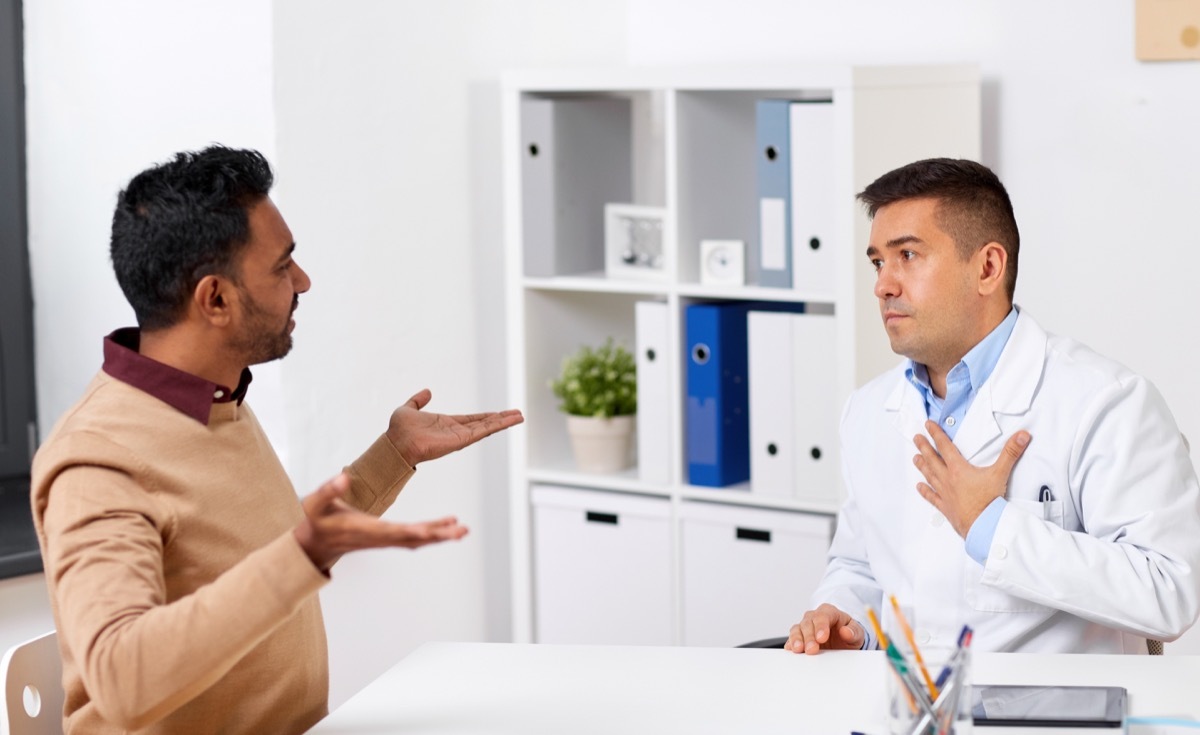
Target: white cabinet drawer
x,y
602,567
748,573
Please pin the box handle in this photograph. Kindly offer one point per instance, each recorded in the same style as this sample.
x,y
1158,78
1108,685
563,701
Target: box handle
x,y
752,534
594,517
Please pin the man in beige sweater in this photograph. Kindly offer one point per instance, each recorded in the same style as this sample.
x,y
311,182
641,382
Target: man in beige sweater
x,y
183,570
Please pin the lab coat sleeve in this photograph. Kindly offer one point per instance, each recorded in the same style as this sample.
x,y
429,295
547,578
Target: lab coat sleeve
x,y
1134,564
848,583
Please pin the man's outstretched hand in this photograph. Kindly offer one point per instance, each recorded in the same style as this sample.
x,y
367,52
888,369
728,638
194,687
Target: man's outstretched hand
x,y
420,435
331,527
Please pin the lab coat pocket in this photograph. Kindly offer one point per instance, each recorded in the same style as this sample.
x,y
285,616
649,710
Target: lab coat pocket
x,y
989,599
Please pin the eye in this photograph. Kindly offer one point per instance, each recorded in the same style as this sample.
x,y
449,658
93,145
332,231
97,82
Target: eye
x,y
876,263
907,254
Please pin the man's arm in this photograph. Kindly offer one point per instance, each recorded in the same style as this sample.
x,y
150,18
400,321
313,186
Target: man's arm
x,y
414,436
1134,564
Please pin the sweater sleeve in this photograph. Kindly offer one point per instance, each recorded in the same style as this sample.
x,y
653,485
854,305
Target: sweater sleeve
x,y
377,477
139,657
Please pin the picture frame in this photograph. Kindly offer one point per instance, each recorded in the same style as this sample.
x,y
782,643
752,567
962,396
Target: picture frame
x,y
634,240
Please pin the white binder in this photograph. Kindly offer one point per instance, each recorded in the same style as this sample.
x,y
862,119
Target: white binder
x,y
817,410
772,401
654,385
575,158
813,197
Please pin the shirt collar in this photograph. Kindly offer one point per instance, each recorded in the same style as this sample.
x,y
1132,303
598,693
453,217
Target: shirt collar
x,y
182,391
978,363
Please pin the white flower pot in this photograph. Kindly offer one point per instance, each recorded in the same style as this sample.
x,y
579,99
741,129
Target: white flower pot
x,y
601,445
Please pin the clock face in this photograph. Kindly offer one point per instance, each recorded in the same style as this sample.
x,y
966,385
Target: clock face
x,y
722,261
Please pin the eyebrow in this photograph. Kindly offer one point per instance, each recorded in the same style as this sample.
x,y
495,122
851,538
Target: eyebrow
x,y
893,244
286,254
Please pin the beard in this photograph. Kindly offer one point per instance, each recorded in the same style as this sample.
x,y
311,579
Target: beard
x,y
263,338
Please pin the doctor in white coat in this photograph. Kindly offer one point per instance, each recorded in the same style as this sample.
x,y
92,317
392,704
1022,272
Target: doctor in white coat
x,y
1080,533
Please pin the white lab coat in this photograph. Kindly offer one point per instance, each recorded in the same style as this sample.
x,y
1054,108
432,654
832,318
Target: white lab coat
x,y
1112,560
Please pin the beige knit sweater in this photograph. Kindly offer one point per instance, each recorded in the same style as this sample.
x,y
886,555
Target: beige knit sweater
x,y
182,600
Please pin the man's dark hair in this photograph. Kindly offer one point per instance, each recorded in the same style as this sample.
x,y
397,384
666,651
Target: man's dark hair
x,y
973,206
180,221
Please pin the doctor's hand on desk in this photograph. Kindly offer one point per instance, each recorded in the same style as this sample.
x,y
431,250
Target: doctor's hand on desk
x,y
827,627
954,486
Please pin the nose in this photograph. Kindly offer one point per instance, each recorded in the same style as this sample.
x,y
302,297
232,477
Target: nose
x,y
886,285
301,281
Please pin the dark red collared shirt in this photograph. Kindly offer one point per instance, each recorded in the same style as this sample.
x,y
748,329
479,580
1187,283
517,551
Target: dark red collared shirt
x,y
182,391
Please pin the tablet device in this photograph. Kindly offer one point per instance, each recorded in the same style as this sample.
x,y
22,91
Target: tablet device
x,y
1048,706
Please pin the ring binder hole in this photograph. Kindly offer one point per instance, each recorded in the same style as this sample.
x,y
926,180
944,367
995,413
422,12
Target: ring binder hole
x,y
594,517
650,355
753,534
700,354
533,149
815,243
772,449
771,153
815,452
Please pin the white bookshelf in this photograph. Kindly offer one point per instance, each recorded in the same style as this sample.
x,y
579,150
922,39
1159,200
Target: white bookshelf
x,y
692,152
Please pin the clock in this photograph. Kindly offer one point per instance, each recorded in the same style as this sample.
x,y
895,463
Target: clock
x,y
723,262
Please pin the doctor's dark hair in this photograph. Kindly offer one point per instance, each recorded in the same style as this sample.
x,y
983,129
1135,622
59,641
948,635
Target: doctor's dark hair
x,y
973,209
180,221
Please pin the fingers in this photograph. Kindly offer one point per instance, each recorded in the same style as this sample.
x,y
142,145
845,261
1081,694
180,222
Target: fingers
x,y
930,496
420,399
325,496
812,633
945,447
1013,449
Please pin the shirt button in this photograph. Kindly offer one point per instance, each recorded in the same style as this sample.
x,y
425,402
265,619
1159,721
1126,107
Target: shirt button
x,y
936,520
219,394
1000,552
924,636
949,421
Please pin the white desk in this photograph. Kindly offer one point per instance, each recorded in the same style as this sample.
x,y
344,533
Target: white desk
x,y
516,688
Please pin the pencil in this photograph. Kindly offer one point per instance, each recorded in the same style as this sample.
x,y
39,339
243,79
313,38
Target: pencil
x,y
883,639
933,689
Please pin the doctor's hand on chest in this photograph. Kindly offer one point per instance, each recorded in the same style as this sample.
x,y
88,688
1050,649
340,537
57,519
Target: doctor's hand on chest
x,y
957,488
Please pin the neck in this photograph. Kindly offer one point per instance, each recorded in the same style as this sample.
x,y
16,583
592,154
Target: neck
x,y
193,351
940,368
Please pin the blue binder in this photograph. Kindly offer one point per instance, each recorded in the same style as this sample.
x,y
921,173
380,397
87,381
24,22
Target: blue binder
x,y
773,133
717,425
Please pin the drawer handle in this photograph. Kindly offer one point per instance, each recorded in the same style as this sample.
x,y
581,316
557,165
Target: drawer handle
x,y
751,534
594,517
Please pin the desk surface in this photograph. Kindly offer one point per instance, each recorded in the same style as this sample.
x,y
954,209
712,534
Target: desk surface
x,y
519,688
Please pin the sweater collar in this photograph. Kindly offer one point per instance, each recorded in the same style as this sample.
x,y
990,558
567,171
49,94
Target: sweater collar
x,y
183,391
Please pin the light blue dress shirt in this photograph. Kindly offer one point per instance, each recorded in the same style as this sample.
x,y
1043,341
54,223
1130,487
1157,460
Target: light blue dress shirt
x,y
962,385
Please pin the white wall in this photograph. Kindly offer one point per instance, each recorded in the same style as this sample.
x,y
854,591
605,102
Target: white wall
x,y
1098,150
388,139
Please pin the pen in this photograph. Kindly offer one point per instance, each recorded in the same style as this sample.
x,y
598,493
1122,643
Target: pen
x,y
904,626
1044,494
964,637
909,679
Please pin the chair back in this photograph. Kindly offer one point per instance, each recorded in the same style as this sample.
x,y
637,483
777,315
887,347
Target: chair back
x,y
31,673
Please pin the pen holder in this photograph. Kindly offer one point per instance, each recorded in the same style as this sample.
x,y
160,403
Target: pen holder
x,y
913,709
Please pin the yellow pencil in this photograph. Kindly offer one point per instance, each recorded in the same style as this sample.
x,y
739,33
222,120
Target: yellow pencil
x,y
933,690
883,639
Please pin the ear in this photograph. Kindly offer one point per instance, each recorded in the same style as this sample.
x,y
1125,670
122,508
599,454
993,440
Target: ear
x,y
213,299
993,268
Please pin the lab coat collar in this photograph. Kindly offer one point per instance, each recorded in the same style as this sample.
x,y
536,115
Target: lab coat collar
x,y
1009,390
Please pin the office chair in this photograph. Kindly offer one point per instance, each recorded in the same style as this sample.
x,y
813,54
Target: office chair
x,y
31,673
766,643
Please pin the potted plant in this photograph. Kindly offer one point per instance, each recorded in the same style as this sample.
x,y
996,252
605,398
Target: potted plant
x,y
598,392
